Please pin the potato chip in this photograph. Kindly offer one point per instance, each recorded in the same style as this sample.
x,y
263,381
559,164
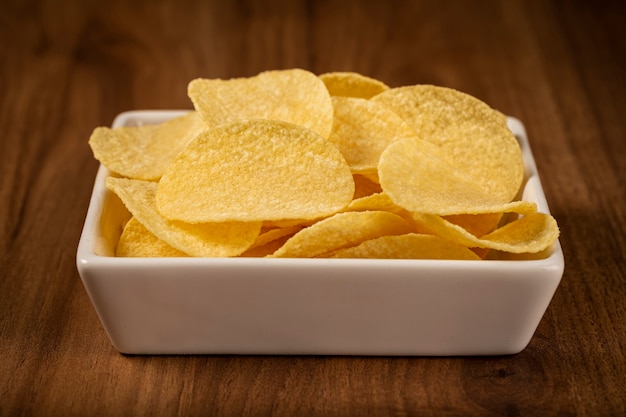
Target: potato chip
x,y
533,232
136,241
253,171
474,137
143,152
418,176
352,84
340,231
363,129
296,96
202,239
408,246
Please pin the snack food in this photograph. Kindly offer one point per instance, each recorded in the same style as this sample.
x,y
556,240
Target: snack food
x,y
255,170
144,152
352,84
282,164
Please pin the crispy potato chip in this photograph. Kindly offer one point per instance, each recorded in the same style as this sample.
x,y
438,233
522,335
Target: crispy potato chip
x,y
408,246
143,152
295,96
202,239
255,170
474,137
136,241
352,84
363,129
340,231
418,176
533,232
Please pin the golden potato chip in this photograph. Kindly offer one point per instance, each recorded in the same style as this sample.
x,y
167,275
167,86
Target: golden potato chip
x,y
201,239
533,232
136,241
253,171
143,152
340,231
352,84
474,137
363,129
418,176
295,96
408,246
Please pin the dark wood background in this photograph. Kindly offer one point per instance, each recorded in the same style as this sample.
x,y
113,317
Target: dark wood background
x,y
69,66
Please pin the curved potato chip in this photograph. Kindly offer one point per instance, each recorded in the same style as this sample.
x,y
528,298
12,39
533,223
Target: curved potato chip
x,y
419,177
352,84
475,137
201,239
340,231
295,96
531,233
363,129
143,152
409,246
255,170
136,241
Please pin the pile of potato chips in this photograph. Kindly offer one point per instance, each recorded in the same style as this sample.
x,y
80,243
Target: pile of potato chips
x,y
291,164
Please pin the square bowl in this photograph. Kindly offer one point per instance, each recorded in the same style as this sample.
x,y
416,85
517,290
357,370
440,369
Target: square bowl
x,y
311,306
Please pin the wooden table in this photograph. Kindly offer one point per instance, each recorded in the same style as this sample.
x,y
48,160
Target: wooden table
x,y
69,66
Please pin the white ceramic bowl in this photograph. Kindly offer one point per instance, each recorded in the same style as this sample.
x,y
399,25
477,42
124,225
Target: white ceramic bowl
x,y
311,306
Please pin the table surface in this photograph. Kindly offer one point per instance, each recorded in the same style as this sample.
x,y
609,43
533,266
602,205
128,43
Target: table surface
x,y
70,66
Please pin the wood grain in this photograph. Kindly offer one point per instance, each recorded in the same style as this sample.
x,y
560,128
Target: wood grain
x,y
69,66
